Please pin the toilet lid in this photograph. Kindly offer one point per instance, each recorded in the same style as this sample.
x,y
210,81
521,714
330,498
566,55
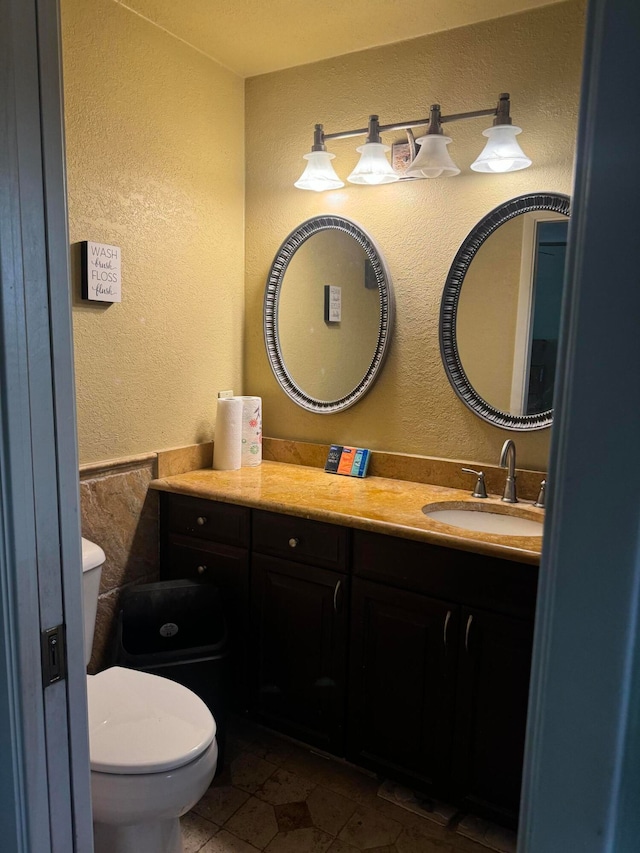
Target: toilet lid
x,y
142,723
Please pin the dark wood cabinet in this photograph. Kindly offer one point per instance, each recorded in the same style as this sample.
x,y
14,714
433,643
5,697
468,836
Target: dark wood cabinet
x,y
456,714
474,580
408,658
299,615
402,679
299,618
200,555
493,689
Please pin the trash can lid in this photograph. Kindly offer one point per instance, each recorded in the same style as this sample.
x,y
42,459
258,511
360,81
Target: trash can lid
x,y
143,723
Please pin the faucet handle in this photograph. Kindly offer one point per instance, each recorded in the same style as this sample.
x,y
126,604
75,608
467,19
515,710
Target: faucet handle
x,y
542,495
480,490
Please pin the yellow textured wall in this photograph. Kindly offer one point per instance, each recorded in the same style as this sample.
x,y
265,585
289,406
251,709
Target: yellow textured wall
x,y
536,57
155,165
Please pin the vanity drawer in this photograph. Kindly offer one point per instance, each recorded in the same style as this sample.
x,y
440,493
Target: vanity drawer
x,y
203,519
210,562
299,539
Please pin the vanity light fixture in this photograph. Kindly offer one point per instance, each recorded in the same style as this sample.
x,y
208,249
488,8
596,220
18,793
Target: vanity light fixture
x,y
502,153
373,166
319,174
433,160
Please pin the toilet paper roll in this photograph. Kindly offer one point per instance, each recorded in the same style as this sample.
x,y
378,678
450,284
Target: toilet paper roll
x,y
227,447
251,431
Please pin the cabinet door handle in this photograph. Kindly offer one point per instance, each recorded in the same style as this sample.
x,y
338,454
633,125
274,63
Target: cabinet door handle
x,y
447,619
201,520
293,543
466,634
201,570
335,596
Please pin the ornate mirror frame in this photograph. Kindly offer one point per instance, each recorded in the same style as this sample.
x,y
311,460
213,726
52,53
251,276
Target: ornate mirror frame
x,y
272,297
555,202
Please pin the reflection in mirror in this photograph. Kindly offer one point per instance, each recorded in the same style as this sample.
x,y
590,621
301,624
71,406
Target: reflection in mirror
x,y
500,315
327,355
509,313
328,313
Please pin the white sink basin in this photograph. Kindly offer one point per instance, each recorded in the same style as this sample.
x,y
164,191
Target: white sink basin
x,y
484,521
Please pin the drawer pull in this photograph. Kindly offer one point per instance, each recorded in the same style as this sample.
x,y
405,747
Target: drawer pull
x,y
335,596
466,634
201,520
447,619
201,570
293,543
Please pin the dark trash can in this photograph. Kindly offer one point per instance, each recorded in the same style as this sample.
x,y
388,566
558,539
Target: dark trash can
x,y
177,629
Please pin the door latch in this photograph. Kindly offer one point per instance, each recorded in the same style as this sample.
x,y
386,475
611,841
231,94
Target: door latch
x,y
54,655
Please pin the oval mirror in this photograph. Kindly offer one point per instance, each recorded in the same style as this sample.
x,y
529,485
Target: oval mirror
x,y
328,312
500,311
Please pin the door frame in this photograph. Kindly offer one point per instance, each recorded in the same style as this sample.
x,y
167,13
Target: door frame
x,y
45,785
582,771
525,313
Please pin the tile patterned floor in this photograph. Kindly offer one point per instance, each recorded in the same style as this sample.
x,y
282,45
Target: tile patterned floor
x,y
279,797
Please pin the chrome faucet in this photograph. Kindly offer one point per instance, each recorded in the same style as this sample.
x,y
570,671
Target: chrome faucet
x,y
508,461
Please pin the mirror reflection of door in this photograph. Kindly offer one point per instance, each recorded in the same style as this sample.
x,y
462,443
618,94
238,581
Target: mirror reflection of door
x,y
508,315
544,246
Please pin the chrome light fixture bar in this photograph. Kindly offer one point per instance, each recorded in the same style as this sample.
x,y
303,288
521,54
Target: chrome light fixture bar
x,y
502,153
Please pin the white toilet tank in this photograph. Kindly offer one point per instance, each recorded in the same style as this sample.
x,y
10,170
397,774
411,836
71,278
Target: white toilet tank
x,y
92,560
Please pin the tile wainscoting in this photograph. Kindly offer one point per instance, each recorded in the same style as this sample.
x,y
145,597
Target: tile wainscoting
x,y
120,514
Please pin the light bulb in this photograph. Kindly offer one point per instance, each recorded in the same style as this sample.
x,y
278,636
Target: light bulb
x,y
373,166
319,174
502,153
433,159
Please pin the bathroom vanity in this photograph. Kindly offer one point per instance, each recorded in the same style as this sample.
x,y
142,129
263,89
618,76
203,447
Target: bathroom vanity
x,y
364,628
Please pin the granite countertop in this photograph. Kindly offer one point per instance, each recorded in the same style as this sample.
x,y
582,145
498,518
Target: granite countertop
x,y
377,504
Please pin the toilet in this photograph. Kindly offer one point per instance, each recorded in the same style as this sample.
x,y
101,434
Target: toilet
x,y
152,745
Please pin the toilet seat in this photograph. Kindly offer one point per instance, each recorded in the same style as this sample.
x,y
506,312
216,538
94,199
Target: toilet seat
x,y
142,723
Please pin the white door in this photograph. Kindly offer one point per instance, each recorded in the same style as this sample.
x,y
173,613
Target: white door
x,y
44,769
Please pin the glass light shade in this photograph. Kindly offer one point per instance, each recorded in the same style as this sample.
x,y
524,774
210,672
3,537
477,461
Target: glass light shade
x,y
319,174
433,160
502,153
373,166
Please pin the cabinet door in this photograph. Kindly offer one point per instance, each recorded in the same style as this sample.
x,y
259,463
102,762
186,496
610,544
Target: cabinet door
x,y
228,569
402,683
299,635
493,688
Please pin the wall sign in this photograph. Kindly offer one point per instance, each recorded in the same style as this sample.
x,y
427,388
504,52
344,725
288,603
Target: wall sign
x,y
101,272
332,303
